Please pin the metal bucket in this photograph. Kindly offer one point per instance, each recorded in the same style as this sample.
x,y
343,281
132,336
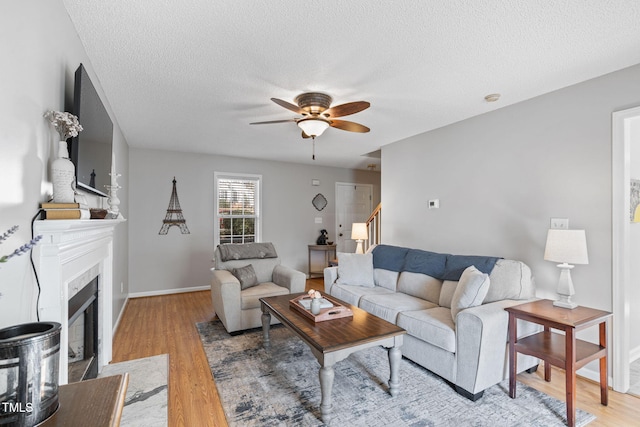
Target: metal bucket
x,y
29,363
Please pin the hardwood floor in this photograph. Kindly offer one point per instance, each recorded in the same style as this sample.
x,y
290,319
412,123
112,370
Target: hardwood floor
x,y
166,324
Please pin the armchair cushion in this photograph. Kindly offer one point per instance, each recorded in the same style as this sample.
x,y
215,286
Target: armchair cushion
x,y
246,276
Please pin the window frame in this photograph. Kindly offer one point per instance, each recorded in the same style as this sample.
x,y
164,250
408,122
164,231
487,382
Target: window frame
x,y
217,176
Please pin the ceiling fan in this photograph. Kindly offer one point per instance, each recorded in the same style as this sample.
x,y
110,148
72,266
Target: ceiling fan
x,y
317,116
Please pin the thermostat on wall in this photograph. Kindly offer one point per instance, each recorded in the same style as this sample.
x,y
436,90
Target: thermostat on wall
x,y
434,204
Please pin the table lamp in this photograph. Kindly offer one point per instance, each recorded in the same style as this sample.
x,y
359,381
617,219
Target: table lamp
x,y
566,247
359,234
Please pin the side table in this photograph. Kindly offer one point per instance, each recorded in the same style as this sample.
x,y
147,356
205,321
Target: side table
x,y
566,351
329,254
97,402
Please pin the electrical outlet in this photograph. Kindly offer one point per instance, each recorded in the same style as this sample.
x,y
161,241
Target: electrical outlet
x,y
560,223
318,220
434,204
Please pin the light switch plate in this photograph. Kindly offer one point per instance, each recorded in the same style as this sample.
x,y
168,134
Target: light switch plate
x,y
560,223
318,220
434,204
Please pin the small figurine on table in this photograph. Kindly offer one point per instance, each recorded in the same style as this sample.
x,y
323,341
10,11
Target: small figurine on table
x,y
322,239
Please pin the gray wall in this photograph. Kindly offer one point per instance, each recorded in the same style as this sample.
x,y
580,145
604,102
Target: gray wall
x,y
180,261
40,52
501,176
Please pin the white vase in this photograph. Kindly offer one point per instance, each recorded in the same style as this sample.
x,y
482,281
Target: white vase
x,y
315,305
62,175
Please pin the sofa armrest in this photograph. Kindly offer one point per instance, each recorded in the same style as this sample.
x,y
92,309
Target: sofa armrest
x,y
330,277
481,347
225,296
289,278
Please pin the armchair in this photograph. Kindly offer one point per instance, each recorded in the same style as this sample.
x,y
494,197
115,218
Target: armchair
x,y
238,304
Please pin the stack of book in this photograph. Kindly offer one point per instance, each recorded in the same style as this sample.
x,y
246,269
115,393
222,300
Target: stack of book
x,y
65,211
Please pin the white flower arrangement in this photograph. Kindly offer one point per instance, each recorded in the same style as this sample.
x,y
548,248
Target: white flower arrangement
x,y
65,123
314,294
22,249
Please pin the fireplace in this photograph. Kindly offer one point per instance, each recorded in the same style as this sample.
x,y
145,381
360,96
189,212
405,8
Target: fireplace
x,y
83,333
75,257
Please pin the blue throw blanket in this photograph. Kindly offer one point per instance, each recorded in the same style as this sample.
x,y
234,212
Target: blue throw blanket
x,y
440,266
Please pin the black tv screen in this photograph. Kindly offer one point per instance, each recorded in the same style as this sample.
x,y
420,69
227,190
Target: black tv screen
x,y
91,150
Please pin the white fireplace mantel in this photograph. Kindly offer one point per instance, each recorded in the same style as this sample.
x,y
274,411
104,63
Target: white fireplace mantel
x,y
68,250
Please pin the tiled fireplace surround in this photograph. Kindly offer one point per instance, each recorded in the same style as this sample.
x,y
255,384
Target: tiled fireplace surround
x,y
72,253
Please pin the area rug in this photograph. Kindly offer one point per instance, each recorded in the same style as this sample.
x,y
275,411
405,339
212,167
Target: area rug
x,y
146,400
280,387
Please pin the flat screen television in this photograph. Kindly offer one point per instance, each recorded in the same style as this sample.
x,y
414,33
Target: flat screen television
x,y
91,150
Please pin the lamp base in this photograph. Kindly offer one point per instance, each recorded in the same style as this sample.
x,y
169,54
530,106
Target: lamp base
x,y
565,287
359,248
565,303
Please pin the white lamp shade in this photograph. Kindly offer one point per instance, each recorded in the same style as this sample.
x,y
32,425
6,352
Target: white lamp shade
x,y
312,126
359,231
567,246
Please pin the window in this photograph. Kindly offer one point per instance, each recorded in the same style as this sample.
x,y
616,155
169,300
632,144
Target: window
x,y
237,208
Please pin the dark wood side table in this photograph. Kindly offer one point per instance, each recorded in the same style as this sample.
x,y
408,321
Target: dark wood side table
x,y
566,351
329,254
96,403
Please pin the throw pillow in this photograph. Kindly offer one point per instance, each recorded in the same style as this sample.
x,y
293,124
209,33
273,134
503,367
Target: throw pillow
x,y
355,269
471,290
246,276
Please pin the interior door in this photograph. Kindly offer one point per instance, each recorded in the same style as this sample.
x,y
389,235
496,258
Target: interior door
x,y
353,204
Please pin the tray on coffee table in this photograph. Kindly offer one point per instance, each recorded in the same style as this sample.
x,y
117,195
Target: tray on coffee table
x,y
338,311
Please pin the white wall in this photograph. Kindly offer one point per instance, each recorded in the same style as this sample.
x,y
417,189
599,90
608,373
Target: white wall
x,y
180,261
40,52
634,243
501,176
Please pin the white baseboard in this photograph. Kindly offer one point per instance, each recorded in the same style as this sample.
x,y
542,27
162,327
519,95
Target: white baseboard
x,y
634,354
115,327
168,291
592,375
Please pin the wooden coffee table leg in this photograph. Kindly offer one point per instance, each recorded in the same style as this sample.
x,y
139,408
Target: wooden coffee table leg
x,y
326,385
395,356
266,323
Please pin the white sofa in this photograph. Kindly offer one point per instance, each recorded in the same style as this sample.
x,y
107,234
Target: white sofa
x,y
414,289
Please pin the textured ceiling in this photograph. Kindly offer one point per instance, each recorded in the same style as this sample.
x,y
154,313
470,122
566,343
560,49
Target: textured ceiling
x,y
190,75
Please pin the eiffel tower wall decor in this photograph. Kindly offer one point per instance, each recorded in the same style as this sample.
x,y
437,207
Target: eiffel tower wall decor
x,y
174,214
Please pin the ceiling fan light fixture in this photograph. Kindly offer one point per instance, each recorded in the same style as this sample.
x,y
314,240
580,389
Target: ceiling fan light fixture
x,y
313,126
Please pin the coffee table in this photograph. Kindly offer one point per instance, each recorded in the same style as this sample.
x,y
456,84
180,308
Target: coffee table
x,y
333,340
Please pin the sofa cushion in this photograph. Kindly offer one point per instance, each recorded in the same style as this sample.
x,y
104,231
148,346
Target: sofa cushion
x,y
389,257
433,325
352,294
386,278
250,297
246,276
355,269
387,306
456,264
430,263
510,279
446,294
420,285
471,290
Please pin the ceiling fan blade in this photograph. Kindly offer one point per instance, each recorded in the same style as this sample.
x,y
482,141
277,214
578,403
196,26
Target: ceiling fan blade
x,y
346,109
350,126
305,136
289,106
273,121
